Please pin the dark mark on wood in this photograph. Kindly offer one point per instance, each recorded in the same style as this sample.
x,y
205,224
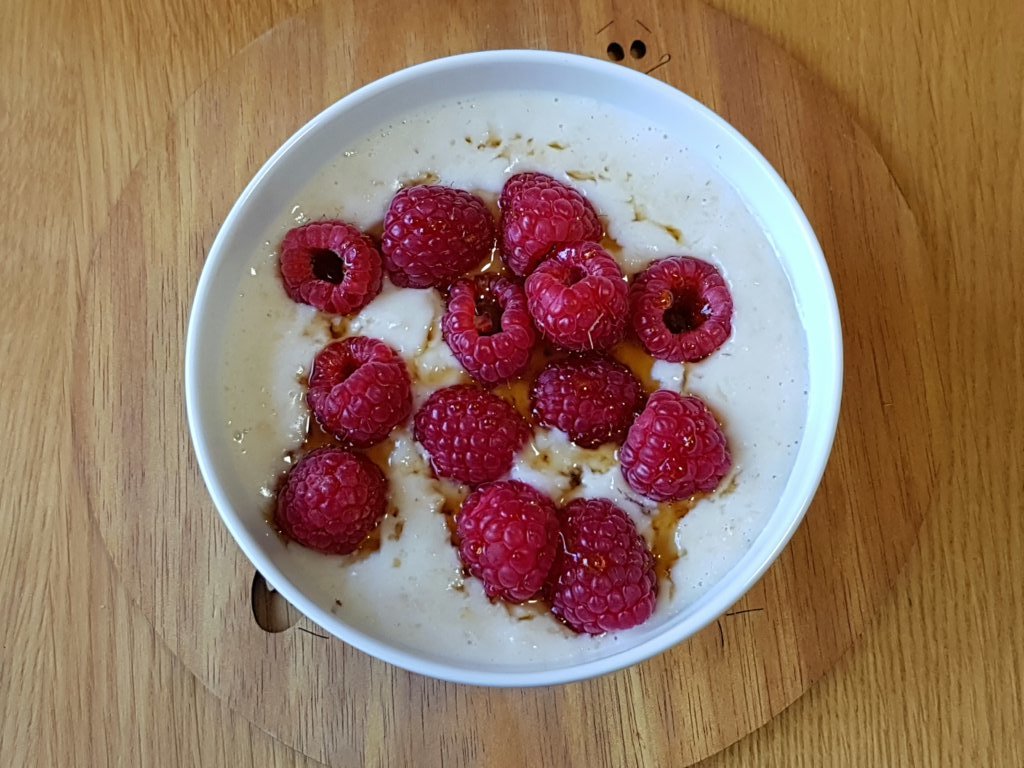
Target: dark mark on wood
x,y
665,59
745,610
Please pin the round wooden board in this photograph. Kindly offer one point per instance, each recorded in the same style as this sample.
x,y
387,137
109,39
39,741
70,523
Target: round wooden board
x,y
336,704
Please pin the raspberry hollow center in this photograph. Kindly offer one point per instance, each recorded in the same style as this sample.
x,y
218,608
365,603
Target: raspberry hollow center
x,y
327,266
488,315
576,273
687,312
346,369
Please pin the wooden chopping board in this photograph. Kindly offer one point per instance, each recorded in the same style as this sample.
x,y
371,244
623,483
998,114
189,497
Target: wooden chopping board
x,y
338,705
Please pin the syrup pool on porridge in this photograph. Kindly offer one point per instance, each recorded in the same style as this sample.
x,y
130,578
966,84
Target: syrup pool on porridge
x,y
407,586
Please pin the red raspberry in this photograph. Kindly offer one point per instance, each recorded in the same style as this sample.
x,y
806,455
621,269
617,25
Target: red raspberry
x,y
592,399
508,532
472,436
331,500
674,449
434,234
332,266
681,309
537,213
579,298
359,390
603,578
489,329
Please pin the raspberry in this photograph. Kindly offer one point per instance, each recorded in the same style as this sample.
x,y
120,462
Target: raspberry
x,y
330,265
508,532
592,399
579,298
331,500
472,436
359,390
434,234
674,449
681,309
603,578
489,329
537,213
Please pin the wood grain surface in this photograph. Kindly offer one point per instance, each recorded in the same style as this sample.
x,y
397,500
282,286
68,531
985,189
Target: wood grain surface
x,y
332,702
937,678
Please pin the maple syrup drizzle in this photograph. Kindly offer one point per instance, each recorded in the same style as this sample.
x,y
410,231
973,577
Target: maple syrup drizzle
x,y
425,178
529,610
376,230
454,496
611,245
367,547
517,391
633,356
494,265
664,522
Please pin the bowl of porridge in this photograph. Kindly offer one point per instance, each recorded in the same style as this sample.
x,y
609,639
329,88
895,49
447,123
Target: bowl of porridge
x,y
514,368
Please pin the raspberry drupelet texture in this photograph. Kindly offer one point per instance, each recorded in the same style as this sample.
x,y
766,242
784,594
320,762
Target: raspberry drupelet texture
x,y
359,390
592,398
434,234
539,212
330,265
488,328
507,536
675,449
472,435
603,578
331,500
579,298
681,309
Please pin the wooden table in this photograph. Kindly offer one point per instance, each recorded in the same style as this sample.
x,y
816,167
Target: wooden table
x,y
939,676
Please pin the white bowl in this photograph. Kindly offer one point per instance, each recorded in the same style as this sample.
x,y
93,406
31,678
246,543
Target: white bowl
x,y
298,160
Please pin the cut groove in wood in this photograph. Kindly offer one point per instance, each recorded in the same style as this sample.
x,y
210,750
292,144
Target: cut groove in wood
x,y
270,610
